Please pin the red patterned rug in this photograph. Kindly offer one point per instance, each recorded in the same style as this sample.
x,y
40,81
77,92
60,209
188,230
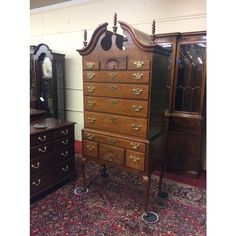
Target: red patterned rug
x,y
113,206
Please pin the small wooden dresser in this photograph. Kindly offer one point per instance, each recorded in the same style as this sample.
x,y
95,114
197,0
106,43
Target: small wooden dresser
x,y
51,154
124,79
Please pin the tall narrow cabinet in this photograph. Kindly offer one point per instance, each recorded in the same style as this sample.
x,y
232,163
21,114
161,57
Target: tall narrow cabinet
x,y
186,107
124,100
47,81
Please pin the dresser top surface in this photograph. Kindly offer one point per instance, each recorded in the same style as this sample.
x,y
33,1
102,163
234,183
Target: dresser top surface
x,y
50,123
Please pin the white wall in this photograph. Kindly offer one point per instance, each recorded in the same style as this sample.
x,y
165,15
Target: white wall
x,y
61,28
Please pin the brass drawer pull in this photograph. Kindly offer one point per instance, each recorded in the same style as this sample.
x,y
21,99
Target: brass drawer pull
x,y
42,139
139,64
90,75
138,76
36,166
90,136
113,87
65,154
65,142
91,103
91,88
65,132
137,108
136,126
89,147
137,91
113,119
134,146
90,65
42,150
112,76
91,119
65,169
134,158
113,102
111,140
37,183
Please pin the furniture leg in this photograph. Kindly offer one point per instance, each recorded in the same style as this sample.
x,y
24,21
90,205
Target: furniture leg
x,y
103,171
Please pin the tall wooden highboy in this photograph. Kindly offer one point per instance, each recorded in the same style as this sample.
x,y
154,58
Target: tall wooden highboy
x,y
124,78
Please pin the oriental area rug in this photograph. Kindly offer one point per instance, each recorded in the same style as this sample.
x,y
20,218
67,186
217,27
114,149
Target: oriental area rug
x,y
114,206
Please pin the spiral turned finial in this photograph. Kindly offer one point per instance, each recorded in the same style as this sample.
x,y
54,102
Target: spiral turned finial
x,y
85,38
115,23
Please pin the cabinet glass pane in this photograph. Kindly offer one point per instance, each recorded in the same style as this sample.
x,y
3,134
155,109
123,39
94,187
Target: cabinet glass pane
x,y
191,61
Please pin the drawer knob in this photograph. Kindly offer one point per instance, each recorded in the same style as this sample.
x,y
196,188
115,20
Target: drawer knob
x,y
113,102
134,146
44,149
42,139
138,76
91,103
137,108
112,76
90,65
113,87
113,119
89,147
65,169
36,166
90,75
136,126
91,88
90,136
139,64
91,119
65,154
37,183
137,91
65,142
65,132
134,158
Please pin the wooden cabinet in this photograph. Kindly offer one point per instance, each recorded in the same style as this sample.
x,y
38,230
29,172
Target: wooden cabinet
x,y
51,154
124,91
47,81
185,110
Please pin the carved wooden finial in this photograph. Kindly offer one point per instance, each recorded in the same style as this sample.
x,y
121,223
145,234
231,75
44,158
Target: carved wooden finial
x,y
85,38
115,23
153,36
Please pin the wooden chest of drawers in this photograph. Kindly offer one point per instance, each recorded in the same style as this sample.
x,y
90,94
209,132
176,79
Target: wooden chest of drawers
x,y
51,154
124,100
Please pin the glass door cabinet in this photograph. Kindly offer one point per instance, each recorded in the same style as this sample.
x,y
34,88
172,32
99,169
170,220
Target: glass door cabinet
x,y
47,81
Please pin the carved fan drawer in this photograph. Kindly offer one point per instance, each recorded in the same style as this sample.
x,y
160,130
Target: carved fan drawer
x,y
64,132
116,106
114,123
90,65
140,77
116,63
139,65
135,160
119,142
117,90
42,149
111,154
90,148
180,123
42,138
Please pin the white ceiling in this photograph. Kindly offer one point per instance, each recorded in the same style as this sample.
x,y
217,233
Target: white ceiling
x,y
43,3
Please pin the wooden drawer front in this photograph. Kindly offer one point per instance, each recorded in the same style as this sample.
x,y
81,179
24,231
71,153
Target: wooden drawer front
x,y
42,149
124,143
42,138
111,154
66,153
90,148
64,142
117,90
116,106
119,124
179,123
90,65
118,63
135,160
140,77
139,65
64,132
